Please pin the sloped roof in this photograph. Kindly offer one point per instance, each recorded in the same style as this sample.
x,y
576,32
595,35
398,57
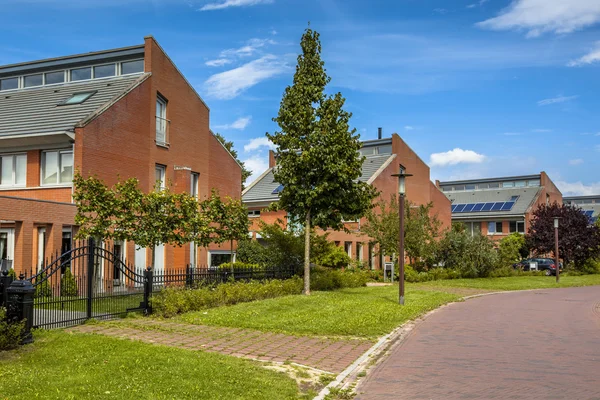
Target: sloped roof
x,y
262,189
36,110
525,200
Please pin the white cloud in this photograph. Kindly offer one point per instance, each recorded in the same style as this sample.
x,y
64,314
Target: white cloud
x,y
478,4
240,124
249,49
219,62
541,16
576,161
229,84
454,157
409,128
257,164
578,188
554,100
259,142
541,130
232,3
512,133
592,57
440,11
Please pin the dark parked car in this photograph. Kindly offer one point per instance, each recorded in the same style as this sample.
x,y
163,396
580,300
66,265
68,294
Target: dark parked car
x,y
543,264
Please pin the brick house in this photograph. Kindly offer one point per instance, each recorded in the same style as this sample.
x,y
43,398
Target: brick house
x,y
120,113
499,206
383,157
589,205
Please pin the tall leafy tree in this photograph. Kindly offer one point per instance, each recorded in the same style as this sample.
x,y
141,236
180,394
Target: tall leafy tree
x,y
233,223
318,153
578,241
229,146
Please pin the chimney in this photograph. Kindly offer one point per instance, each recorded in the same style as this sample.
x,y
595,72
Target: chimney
x,y
379,132
271,159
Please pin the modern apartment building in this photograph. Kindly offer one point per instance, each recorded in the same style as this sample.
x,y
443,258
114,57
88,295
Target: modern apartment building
x,y
115,114
383,157
590,205
499,206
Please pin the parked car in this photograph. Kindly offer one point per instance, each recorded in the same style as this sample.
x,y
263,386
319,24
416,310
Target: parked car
x,y
543,264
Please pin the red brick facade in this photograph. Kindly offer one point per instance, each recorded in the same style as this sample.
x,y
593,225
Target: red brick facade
x,y
119,143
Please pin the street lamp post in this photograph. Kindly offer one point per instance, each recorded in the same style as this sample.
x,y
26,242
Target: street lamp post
x,y
556,248
402,192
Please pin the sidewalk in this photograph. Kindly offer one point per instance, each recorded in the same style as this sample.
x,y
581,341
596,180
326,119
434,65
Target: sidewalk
x,y
327,355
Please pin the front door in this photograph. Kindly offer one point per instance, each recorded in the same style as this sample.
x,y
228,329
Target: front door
x,y
7,248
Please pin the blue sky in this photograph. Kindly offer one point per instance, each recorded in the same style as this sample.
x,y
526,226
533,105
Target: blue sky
x,y
479,88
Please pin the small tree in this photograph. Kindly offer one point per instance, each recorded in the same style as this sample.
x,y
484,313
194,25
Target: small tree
x,y
68,285
318,159
512,248
421,230
578,240
233,223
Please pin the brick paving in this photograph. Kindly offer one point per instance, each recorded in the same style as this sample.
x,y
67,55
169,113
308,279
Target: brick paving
x,y
524,345
325,354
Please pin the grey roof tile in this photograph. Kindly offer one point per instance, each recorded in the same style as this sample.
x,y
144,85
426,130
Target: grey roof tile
x,y
526,199
262,190
35,110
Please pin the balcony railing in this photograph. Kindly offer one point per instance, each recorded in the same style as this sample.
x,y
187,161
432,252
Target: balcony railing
x,y
162,131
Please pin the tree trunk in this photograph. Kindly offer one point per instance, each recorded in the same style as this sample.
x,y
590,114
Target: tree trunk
x,y
153,257
231,256
307,254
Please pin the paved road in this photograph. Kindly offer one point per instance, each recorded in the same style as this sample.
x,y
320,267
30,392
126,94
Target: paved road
x,y
526,345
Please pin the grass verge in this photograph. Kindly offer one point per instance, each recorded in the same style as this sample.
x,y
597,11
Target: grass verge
x,y
60,365
367,312
512,283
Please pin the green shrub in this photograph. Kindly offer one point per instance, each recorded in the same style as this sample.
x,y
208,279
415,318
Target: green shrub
x,y
591,266
68,285
240,265
333,257
251,252
43,288
10,333
13,274
173,301
324,279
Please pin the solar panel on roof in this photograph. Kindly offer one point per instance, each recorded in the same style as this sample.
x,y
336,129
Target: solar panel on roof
x,y
589,213
487,206
497,206
277,190
507,206
469,207
459,207
478,207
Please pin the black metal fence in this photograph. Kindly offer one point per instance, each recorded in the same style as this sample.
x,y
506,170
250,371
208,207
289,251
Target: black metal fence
x,y
92,281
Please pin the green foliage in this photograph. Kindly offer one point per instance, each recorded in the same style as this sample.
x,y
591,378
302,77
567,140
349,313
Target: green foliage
x,y
512,248
68,285
318,161
240,266
42,289
251,252
229,146
332,257
473,256
591,266
421,230
172,301
12,273
331,279
10,332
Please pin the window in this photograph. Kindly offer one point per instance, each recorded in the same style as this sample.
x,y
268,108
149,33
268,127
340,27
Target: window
x,y
475,228
494,228
218,257
470,187
57,167
9,83
132,67
494,185
77,98
33,80
13,169
253,213
534,183
514,198
161,120
348,248
54,77
460,187
104,71
194,184
160,176
508,184
520,183
385,149
81,74
367,151
517,226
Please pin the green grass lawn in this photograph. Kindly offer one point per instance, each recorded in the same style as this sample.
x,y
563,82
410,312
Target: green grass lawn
x,y
61,365
513,283
367,312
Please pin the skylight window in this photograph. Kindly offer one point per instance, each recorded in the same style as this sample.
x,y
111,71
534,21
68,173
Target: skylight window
x,y
77,98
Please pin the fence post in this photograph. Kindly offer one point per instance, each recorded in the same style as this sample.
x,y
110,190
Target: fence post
x,y
20,306
5,281
90,276
148,276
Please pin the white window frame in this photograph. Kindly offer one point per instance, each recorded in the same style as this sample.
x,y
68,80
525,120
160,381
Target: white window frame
x,y
14,170
10,243
58,167
120,67
211,252
253,213
162,123
162,170
194,184
193,254
490,224
348,248
103,65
